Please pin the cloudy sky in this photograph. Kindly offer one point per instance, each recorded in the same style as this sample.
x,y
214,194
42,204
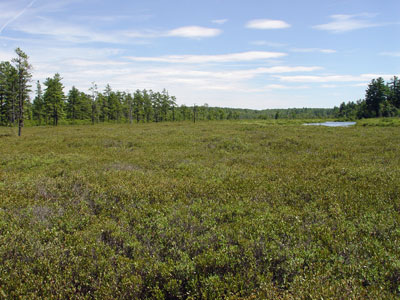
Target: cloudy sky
x,y
232,53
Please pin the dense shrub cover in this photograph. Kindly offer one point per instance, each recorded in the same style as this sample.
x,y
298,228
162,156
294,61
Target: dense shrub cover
x,y
212,210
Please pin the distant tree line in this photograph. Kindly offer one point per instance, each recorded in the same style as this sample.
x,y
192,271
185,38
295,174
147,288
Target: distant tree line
x,y
381,100
51,105
286,113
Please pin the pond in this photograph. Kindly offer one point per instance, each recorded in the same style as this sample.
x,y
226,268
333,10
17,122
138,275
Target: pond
x,y
333,124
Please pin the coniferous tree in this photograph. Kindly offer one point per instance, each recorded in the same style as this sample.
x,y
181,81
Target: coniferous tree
x,y
394,92
128,101
84,107
376,95
138,105
73,104
94,100
172,103
23,78
156,104
147,105
38,105
54,98
7,81
164,104
8,93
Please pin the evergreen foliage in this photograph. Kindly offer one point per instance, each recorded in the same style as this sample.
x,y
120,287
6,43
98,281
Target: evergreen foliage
x,y
381,100
52,106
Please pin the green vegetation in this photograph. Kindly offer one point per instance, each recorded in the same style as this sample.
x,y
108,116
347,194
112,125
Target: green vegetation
x,y
381,100
212,210
53,107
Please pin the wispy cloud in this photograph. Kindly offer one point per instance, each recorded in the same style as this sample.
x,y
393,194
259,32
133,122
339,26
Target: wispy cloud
x,y
393,54
194,32
285,87
344,23
329,86
220,21
79,67
267,24
236,80
83,34
15,17
236,75
266,43
331,78
76,62
311,50
218,58
65,31
5,55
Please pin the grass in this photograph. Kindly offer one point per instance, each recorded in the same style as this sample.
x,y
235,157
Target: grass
x,y
212,210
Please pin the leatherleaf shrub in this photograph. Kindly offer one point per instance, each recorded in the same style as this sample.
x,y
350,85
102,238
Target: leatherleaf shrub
x,y
212,210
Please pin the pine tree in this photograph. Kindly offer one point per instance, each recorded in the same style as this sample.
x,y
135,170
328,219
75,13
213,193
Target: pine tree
x,y
73,104
38,105
376,95
23,78
138,105
394,94
54,98
8,93
94,100
147,105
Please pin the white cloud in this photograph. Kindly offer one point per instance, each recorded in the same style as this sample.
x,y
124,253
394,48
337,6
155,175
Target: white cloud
x,y
219,58
64,32
93,63
80,68
344,23
332,78
194,32
82,34
6,55
146,34
220,21
394,54
266,43
275,87
16,16
237,75
329,86
310,50
285,87
363,84
267,24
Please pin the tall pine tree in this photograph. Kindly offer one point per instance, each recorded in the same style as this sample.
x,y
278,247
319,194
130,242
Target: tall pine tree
x,y
23,78
54,98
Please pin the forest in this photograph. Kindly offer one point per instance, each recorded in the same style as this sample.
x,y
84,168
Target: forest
x,y
381,100
52,106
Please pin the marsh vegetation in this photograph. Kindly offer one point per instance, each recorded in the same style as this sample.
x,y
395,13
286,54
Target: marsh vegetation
x,y
212,210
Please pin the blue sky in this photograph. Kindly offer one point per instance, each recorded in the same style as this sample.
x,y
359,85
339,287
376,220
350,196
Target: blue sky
x,y
232,53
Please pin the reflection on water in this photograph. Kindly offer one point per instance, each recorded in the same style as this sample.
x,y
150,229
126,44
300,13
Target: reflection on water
x,y
333,124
